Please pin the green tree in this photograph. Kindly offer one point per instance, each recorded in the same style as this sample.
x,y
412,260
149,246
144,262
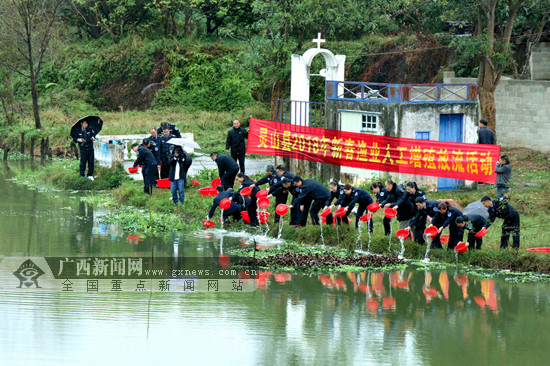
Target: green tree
x,y
26,29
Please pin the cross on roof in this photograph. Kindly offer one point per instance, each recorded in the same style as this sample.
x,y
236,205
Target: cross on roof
x,y
318,40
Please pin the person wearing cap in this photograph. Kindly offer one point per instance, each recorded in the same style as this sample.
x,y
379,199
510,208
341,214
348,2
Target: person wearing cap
x,y
503,210
312,194
146,158
252,207
285,187
473,223
85,138
352,196
170,126
485,134
227,169
236,141
234,210
424,208
504,176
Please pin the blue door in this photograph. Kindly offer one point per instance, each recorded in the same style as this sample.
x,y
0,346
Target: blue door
x,y
450,129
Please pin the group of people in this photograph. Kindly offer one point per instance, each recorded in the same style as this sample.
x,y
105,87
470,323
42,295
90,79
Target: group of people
x,y
414,209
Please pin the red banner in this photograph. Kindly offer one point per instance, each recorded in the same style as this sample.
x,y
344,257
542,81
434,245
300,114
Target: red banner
x,y
391,154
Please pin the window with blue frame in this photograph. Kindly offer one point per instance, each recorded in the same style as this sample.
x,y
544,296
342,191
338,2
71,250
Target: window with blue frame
x,y
422,135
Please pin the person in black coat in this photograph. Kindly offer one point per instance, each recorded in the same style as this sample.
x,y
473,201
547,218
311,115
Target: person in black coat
x,y
425,208
336,191
145,157
236,141
165,153
312,193
381,194
485,134
473,223
85,138
155,140
354,196
397,199
252,207
273,179
503,210
234,210
284,188
179,165
446,216
227,169
171,127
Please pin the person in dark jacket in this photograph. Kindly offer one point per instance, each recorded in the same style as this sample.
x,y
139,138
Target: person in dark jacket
x,y
252,207
234,210
511,225
85,138
179,165
381,194
155,140
413,192
273,179
485,134
227,169
336,191
145,157
446,216
504,176
171,127
236,141
284,188
425,208
473,223
312,193
397,199
350,198
165,153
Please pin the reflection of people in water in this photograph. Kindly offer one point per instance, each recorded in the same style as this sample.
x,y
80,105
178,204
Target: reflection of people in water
x,y
84,222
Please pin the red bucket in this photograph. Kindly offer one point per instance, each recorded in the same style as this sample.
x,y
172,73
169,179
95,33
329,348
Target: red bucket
x,y
325,212
373,207
262,194
461,247
365,217
340,212
402,233
481,232
133,169
245,192
195,183
263,203
390,213
430,231
539,250
163,183
216,182
263,217
208,192
281,209
208,223
244,215
225,204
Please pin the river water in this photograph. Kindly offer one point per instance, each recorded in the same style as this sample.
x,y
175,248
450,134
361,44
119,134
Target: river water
x,y
408,317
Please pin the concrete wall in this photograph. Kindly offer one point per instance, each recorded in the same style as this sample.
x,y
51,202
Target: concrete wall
x,y
403,120
539,62
523,112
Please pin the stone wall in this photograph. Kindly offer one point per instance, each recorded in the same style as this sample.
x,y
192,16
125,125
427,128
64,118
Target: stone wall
x,y
523,112
539,62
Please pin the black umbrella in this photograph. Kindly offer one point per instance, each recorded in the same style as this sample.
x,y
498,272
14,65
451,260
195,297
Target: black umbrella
x,y
94,123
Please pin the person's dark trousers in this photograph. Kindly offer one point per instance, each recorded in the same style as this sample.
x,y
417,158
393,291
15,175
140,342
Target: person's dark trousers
x,y
228,179
302,221
87,157
239,157
294,215
253,212
316,206
164,169
177,186
281,198
387,224
360,211
455,235
510,226
149,178
474,242
342,220
330,219
419,233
